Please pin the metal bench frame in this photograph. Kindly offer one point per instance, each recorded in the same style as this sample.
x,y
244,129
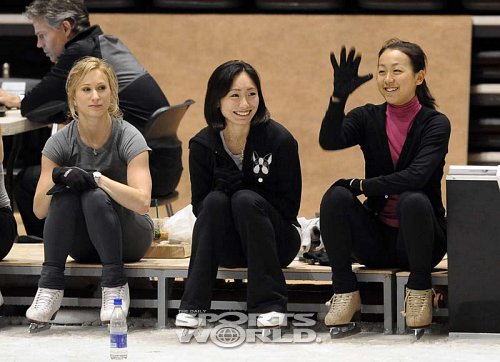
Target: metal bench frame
x,y
165,273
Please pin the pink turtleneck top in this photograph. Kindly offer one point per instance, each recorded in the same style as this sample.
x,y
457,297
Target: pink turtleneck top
x,y
398,122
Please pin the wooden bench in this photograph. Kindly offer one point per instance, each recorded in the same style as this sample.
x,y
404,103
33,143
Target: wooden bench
x,y
27,259
439,277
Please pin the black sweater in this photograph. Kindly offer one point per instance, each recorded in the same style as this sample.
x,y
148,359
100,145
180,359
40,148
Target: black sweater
x,y
420,165
139,94
281,186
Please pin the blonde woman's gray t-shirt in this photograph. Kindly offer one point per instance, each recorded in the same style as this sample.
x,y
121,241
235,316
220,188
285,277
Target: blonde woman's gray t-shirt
x,y
67,149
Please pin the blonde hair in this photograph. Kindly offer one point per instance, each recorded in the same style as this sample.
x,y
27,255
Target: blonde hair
x,y
83,67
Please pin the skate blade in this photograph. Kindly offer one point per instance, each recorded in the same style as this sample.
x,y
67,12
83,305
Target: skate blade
x,y
344,330
187,334
419,333
38,327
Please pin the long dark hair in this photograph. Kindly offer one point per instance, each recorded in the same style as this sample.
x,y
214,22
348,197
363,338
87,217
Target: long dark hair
x,y
418,61
219,85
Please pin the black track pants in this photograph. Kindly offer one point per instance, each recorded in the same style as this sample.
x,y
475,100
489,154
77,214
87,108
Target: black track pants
x,y
243,230
92,228
350,231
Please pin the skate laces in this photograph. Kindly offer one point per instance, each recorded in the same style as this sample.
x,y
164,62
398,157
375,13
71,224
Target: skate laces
x,y
416,300
45,298
341,300
110,294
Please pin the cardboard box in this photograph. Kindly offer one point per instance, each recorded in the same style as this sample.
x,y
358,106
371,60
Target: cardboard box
x,y
164,250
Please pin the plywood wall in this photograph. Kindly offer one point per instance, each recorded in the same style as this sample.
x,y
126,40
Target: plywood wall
x,y
291,53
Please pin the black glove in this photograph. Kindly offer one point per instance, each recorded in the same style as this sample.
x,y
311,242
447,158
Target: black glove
x,y
353,185
317,257
57,188
74,177
345,73
228,181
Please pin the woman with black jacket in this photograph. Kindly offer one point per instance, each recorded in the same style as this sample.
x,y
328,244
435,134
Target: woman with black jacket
x,y
404,142
246,188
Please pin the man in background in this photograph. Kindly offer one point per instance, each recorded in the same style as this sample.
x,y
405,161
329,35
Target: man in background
x,y
64,33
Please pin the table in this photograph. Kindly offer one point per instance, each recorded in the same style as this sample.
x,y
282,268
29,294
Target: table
x,y
14,124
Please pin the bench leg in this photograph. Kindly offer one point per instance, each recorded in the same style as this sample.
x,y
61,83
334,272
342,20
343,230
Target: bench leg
x,y
388,296
388,285
163,297
400,295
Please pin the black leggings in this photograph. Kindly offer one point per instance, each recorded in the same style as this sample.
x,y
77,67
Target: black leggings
x,y
350,231
8,231
92,228
240,231
24,193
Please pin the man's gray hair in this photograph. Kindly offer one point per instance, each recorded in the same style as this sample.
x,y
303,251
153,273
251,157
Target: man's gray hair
x,y
54,12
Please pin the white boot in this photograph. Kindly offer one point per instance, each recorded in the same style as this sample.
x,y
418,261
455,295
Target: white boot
x,y
186,320
45,306
271,320
108,297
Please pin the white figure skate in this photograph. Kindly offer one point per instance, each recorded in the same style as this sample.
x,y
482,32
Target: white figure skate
x,y
44,308
186,320
108,297
271,320
191,325
272,325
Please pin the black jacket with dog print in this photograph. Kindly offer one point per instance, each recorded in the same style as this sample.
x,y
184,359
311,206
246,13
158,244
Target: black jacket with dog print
x,y
271,166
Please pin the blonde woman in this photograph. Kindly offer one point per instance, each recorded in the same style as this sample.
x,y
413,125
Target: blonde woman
x,y
94,192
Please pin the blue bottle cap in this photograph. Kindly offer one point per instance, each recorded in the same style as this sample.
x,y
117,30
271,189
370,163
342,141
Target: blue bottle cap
x,y
117,301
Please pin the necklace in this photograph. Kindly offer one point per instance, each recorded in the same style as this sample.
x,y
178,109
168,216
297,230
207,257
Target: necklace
x,y
236,145
94,144
242,155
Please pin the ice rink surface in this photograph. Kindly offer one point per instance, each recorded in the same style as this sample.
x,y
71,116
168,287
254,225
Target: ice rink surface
x,y
91,343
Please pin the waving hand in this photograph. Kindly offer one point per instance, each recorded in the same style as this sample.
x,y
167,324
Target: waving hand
x,y
345,73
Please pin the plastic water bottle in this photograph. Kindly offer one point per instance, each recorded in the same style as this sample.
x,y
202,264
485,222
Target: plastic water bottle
x,y
118,332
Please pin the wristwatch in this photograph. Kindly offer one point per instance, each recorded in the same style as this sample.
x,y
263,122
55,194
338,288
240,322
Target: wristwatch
x,y
97,177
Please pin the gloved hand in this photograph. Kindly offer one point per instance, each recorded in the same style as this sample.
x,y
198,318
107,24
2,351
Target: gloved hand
x,y
228,181
353,185
74,177
57,188
345,73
